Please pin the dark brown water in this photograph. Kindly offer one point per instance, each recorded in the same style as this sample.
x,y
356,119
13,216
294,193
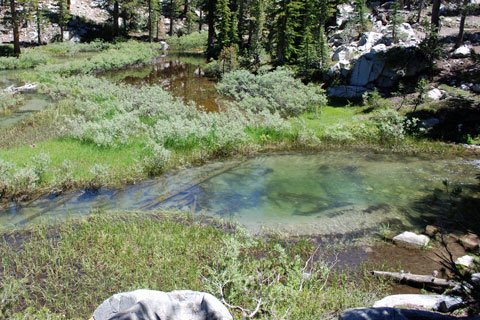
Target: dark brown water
x,y
181,74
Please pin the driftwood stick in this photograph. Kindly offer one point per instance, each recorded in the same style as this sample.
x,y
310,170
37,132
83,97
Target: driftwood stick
x,y
416,280
25,88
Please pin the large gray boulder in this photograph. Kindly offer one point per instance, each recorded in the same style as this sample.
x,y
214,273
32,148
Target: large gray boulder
x,y
154,305
411,239
367,69
383,69
393,314
346,92
368,40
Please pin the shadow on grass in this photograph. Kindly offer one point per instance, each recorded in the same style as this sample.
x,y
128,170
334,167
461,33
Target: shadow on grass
x,y
459,119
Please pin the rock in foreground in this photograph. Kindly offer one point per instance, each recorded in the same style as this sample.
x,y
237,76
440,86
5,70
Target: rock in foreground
x,y
153,305
411,239
392,313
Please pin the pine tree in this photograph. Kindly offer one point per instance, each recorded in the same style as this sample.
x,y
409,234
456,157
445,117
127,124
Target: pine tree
x,y
63,15
323,54
255,49
307,54
361,9
396,21
224,15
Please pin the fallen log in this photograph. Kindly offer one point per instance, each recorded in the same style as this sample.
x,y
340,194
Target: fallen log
x,y
416,280
25,88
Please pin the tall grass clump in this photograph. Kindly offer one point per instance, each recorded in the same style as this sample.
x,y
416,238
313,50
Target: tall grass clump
x,y
70,268
195,41
276,91
9,101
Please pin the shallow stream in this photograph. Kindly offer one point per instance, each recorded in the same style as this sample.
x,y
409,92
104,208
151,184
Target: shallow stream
x,y
327,193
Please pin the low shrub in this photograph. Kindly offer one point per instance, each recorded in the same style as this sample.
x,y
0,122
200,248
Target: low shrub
x,y
276,91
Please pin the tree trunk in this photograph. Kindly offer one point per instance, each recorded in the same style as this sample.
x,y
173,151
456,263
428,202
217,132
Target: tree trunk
x,y
211,28
401,4
170,32
150,31
436,16
200,21
408,3
462,24
39,28
16,34
185,8
420,7
115,16
241,20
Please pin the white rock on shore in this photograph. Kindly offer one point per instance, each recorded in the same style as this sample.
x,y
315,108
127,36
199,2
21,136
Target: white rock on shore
x,y
411,239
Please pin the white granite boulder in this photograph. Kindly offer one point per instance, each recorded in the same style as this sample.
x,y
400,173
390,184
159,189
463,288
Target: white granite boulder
x,y
411,239
465,261
462,52
153,305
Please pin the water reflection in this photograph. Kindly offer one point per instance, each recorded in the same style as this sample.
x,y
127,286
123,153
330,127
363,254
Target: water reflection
x,y
181,74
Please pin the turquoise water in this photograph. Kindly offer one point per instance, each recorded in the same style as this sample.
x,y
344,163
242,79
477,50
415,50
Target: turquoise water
x,y
324,193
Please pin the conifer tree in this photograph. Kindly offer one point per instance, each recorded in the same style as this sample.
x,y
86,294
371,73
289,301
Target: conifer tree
x,y
323,54
15,26
63,15
361,10
255,49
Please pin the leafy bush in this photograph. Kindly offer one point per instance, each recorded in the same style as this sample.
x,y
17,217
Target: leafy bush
x,y
189,42
391,126
276,91
28,59
154,163
9,101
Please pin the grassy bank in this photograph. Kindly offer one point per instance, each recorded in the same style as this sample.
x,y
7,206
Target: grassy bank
x,y
67,270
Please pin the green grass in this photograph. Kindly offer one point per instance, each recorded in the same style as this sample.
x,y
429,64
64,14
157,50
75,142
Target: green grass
x,y
331,116
69,269
83,156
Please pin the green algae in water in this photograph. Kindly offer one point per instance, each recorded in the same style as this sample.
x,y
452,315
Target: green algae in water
x,y
324,193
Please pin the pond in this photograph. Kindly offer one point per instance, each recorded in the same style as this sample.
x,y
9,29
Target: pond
x,y
181,74
303,194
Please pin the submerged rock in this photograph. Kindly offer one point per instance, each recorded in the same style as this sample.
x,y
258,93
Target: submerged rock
x,y
411,239
153,305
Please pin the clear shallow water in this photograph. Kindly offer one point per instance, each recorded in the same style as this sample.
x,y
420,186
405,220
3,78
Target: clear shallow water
x,y
33,103
325,193
181,74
